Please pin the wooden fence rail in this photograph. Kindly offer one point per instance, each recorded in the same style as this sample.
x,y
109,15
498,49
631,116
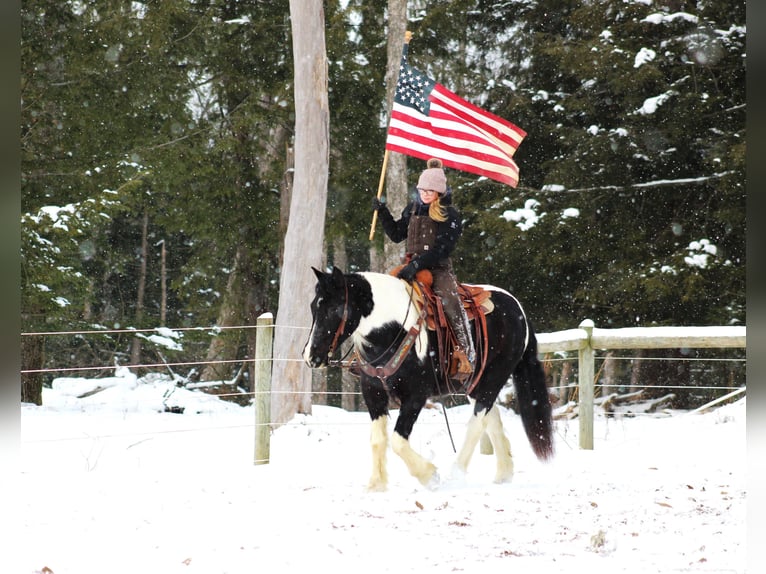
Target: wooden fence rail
x,y
586,340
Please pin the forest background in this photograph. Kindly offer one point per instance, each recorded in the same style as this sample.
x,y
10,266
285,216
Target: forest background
x,y
156,166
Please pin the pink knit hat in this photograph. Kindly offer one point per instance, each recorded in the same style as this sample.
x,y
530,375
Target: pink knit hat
x,y
433,177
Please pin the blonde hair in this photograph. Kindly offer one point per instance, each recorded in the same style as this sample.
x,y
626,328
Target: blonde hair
x,y
437,211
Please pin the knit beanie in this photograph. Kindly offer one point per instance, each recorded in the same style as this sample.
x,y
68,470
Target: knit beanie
x,y
433,177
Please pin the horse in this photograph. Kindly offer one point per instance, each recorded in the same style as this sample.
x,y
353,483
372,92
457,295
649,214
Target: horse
x,y
377,311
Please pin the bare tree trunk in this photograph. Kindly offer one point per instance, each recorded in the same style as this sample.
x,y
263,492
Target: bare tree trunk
x,y
609,376
285,197
135,351
566,391
635,373
163,286
223,347
348,382
333,377
396,174
305,228
32,358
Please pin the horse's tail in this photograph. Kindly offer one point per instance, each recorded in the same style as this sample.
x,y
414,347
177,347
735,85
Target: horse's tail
x,y
533,400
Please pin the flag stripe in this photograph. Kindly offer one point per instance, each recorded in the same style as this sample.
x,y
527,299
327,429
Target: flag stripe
x,y
456,134
406,121
455,158
428,120
493,125
466,151
507,176
413,136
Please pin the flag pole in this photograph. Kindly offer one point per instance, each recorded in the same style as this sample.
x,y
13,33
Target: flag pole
x,y
380,192
407,38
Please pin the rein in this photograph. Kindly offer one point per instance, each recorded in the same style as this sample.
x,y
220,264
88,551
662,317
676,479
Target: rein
x,y
393,364
343,320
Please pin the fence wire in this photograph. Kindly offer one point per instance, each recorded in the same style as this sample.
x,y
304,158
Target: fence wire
x,y
546,358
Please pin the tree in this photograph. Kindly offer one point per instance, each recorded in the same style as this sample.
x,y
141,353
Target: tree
x,y
305,229
184,111
180,109
357,66
396,171
616,96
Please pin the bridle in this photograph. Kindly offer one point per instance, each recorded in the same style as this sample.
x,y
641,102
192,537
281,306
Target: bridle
x,y
343,320
393,364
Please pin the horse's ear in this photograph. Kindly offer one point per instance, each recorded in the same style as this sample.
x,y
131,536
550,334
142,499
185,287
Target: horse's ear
x,y
317,272
337,276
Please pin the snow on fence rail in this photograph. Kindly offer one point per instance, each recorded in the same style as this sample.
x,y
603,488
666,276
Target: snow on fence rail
x,y
586,339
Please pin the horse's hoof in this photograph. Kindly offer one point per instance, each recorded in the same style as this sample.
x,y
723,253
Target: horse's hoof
x,y
429,478
457,474
504,477
433,482
376,486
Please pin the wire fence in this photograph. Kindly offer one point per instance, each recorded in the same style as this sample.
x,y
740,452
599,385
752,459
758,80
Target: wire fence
x,y
551,361
561,372
215,330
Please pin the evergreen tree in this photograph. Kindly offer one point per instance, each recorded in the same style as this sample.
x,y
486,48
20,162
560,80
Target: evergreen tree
x,y
178,108
632,170
623,102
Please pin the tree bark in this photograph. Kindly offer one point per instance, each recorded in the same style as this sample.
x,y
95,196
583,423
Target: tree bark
x,y
163,285
305,227
635,373
285,196
223,347
396,174
32,358
135,352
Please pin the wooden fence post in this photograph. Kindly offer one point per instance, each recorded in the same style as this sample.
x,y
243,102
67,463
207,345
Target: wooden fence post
x,y
586,357
264,337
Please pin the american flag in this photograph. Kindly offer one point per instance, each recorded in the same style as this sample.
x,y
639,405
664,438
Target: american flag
x,y
427,120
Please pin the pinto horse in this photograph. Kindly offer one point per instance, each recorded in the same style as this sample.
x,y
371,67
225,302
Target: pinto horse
x,y
378,312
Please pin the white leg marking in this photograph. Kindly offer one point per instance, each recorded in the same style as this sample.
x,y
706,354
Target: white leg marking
x,y
474,430
501,446
419,467
379,446
306,355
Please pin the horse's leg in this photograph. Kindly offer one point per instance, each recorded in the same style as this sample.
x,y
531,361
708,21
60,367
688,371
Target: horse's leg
x,y
501,446
418,466
376,399
474,429
379,446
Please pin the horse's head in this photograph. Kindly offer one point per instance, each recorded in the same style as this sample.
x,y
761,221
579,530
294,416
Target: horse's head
x,y
330,314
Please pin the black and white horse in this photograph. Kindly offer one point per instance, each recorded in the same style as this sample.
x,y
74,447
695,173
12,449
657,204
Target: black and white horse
x,y
376,310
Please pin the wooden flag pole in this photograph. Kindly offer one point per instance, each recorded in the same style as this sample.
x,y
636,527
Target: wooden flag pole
x,y
407,38
380,192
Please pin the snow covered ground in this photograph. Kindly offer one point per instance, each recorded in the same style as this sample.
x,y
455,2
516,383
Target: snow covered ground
x,y
110,484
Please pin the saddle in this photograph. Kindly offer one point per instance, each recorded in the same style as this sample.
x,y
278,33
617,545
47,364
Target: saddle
x,y
477,303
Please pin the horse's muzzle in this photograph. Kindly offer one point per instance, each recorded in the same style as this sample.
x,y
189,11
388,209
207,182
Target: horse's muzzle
x,y
317,362
314,360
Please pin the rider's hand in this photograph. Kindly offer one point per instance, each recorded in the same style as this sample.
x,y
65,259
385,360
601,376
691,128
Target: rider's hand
x,y
377,203
408,272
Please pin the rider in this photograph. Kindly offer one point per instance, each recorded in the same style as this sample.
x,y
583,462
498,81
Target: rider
x,y
432,226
